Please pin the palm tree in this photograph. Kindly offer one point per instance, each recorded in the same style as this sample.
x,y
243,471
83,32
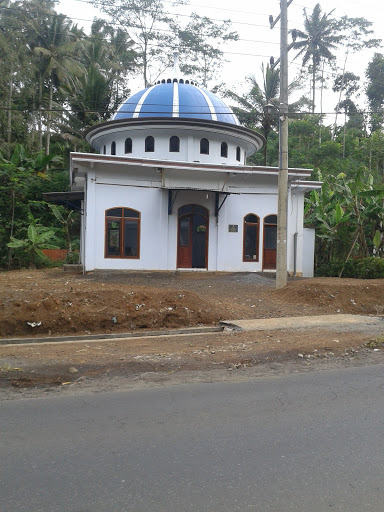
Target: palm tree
x,y
57,45
108,58
319,38
251,111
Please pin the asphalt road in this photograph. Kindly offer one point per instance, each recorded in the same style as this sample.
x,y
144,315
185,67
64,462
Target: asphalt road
x,y
305,442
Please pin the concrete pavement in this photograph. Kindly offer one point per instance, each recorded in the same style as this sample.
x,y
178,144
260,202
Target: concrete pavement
x,y
304,322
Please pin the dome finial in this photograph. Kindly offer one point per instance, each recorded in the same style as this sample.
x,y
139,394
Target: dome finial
x,y
176,69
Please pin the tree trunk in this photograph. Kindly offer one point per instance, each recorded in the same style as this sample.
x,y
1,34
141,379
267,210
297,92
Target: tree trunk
x,y
12,226
68,237
33,130
9,121
145,63
49,120
205,71
321,105
313,85
40,120
265,149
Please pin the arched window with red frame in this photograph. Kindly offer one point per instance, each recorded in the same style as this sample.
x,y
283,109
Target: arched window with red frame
x,y
122,233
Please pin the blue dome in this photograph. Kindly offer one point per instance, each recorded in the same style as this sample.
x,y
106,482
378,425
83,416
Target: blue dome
x,y
176,99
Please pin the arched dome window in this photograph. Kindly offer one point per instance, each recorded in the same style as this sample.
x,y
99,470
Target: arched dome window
x,y
204,147
128,145
174,144
238,153
224,150
113,148
105,149
149,144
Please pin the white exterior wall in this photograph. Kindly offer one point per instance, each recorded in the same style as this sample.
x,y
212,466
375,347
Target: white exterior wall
x,y
236,207
189,144
141,190
152,203
308,252
145,189
305,238
295,226
158,233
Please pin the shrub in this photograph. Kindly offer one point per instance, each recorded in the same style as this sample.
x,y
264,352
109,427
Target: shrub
x,y
371,268
331,269
366,268
72,258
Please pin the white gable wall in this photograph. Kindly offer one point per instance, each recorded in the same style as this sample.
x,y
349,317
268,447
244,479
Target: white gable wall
x,y
141,190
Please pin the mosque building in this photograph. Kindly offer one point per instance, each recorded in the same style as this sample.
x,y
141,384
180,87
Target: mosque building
x,y
169,188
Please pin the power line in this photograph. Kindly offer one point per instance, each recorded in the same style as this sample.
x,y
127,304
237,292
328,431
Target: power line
x,y
189,4
83,36
291,113
121,24
160,30
118,25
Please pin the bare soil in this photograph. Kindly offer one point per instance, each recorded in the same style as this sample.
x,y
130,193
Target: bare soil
x,y
50,303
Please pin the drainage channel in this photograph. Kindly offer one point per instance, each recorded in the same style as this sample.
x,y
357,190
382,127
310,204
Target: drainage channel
x,y
101,337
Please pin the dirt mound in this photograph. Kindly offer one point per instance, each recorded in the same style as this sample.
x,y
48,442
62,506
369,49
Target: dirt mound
x,y
69,307
50,302
333,295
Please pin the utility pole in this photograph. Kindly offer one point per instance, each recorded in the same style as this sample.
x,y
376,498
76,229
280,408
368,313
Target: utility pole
x,y
282,205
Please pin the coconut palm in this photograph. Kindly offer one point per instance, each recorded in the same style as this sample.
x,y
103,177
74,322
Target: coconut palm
x,y
251,111
57,45
108,58
317,42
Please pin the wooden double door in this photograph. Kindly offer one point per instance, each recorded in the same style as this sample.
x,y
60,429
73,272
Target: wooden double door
x,y
192,239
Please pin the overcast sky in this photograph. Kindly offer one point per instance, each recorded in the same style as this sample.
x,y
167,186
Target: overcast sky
x,y
257,41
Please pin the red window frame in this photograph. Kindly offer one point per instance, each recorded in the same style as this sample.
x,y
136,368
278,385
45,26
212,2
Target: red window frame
x,y
121,220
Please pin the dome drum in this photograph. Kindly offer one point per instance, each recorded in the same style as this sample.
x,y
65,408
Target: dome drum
x,y
128,138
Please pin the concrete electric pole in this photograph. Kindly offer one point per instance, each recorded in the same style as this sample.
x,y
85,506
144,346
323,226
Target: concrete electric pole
x,y
282,206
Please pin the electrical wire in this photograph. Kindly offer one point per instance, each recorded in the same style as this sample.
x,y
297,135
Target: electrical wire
x,y
205,112
97,4
164,30
128,25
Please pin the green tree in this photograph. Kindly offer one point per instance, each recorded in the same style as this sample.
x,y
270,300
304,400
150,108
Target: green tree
x,y
201,41
66,219
38,238
348,214
148,24
317,43
251,109
57,44
17,176
108,58
375,90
